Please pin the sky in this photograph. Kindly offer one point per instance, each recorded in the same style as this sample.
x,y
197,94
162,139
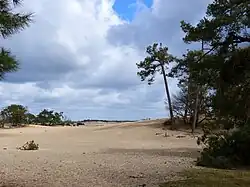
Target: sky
x,y
79,56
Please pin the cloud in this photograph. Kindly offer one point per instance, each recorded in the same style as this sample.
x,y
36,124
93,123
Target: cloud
x,y
159,23
79,57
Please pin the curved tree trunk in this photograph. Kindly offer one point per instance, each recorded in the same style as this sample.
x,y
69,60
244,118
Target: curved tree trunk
x,y
168,96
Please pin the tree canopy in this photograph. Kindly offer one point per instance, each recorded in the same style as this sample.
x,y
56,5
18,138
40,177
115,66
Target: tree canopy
x,y
14,114
17,115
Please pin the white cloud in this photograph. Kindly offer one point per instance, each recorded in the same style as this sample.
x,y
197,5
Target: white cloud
x,y
79,57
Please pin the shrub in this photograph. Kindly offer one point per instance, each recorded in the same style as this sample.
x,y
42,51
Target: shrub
x,y
30,145
226,149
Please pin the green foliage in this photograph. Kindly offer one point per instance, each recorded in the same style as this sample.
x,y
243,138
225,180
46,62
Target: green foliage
x,y
8,63
157,58
11,22
226,22
18,114
224,70
225,25
226,149
14,114
188,71
187,68
31,118
28,146
232,99
50,117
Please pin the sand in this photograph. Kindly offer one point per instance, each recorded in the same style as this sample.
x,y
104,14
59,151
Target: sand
x,y
130,154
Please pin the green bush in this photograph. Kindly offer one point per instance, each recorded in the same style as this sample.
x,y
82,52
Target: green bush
x,y
226,149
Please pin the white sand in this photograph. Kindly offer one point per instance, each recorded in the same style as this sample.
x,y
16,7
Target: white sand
x,y
128,154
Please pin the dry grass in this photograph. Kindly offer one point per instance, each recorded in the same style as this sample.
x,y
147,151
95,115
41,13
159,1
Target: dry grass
x,y
211,178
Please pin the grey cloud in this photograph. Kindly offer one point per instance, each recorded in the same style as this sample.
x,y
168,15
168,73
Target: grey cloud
x,y
40,57
43,65
118,80
163,25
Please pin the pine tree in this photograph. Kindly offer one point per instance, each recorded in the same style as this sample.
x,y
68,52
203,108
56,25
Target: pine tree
x,y
11,22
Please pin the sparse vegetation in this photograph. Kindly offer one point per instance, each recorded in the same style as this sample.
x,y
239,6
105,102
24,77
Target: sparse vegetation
x,y
29,146
228,149
18,115
211,178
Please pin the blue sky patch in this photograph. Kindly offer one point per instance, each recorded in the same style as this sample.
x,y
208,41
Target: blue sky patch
x,y
127,8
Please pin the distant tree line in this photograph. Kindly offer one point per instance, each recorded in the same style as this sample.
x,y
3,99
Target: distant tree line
x,y
16,115
106,121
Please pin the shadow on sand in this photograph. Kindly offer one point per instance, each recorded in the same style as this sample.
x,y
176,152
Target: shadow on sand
x,y
174,152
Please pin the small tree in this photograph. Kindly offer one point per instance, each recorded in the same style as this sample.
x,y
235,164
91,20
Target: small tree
x,y
184,104
181,105
31,118
14,114
45,117
50,117
157,60
58,118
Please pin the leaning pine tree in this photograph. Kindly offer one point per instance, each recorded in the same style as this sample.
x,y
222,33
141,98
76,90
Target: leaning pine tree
x,y
157,60
10,23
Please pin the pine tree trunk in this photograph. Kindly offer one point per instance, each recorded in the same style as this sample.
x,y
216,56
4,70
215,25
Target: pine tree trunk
x,y
168,96
196,107
187,103
185,116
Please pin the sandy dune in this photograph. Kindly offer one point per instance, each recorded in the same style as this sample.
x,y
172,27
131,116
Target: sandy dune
x,y
116,155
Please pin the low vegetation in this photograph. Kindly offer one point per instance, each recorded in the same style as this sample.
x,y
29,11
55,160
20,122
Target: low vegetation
x,y
228,149
17,115
29,146
211,178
